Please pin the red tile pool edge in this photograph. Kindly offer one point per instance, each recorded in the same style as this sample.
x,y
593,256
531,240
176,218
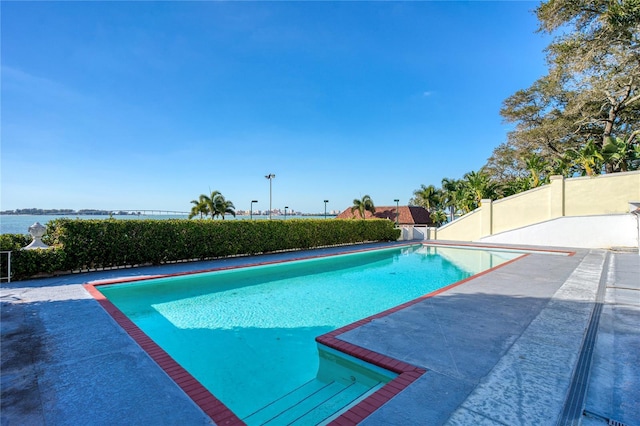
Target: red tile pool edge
x,y
407,373
489,246
221,414
247,265
211,405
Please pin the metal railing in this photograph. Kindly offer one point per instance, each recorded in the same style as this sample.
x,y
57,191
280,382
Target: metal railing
x,y
8,277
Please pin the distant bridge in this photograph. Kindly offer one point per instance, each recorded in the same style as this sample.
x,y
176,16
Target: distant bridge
x,y
148,212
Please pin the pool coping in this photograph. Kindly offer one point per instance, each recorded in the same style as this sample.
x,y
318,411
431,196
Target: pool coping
x,y
221,414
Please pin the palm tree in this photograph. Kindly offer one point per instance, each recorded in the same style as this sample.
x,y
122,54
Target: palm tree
x,y
209,200
516,186
427,197
449,195
537,167
561,166
465,201
224,206
200,207
480,186
362,206
618,155
438,217
587,159
214,204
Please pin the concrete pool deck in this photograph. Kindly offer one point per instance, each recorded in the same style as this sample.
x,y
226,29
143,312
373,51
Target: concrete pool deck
x,y
499,349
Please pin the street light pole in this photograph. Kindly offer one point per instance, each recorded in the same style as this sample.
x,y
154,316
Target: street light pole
x,y
251,208
325,208
270,176
397,203
285,212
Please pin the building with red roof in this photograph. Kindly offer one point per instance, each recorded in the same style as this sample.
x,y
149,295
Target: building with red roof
x,y
407,215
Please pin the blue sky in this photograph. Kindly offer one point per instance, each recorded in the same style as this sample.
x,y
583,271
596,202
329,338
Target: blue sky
x,y
144,105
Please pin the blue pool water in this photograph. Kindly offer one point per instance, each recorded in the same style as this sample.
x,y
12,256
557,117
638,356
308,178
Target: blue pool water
x,y
248,334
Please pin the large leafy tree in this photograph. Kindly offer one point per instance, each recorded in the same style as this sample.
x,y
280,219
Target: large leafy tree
x,y
362,206
590,94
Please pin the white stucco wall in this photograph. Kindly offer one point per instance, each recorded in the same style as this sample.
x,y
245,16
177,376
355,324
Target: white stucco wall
x,y
578,197
521,209
603,194
602,231
466,228
416,232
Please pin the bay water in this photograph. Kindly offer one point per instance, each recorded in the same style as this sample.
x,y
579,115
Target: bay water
x,y
19,224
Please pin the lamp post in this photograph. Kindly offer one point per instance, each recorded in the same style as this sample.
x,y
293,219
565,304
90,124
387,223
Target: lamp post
x,y
397,203
285,212
325,208
270,176
251,208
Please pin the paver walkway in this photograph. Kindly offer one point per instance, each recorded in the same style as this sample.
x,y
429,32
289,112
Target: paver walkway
x,y
614,389
497,349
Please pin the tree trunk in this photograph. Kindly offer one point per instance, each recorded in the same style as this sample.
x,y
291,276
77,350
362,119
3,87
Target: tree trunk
x,y
608,128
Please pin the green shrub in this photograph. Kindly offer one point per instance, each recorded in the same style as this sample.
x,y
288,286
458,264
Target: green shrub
x,y
12,242
27,263
89,244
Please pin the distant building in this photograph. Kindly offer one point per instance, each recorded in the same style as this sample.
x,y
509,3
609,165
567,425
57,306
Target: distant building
x,y
407,215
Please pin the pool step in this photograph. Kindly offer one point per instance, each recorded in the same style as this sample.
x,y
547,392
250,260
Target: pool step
x,y
311,403
327,410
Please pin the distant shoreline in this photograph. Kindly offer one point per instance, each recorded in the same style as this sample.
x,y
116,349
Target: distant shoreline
x,y
87,212
149,214
11,223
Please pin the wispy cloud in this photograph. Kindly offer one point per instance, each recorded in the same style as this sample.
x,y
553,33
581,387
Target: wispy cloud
x,y
426,94
17,80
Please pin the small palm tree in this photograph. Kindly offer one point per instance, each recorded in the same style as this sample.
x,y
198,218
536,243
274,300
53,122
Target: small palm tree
x,y
427,196
438,217
362,206
200,207
224,206
537,168
209,200
450,195
479,186
516,186
616,154
561,166
214,205
587,158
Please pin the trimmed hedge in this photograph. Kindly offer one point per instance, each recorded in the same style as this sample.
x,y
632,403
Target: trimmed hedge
x,y
91,244
29,263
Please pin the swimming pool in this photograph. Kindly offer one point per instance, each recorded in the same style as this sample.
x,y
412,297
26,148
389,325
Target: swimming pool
x,y
248,334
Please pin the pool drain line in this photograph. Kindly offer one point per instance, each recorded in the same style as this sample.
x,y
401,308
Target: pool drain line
x,y
574,404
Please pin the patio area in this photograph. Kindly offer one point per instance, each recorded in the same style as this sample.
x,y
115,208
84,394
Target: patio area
x,y
502,348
